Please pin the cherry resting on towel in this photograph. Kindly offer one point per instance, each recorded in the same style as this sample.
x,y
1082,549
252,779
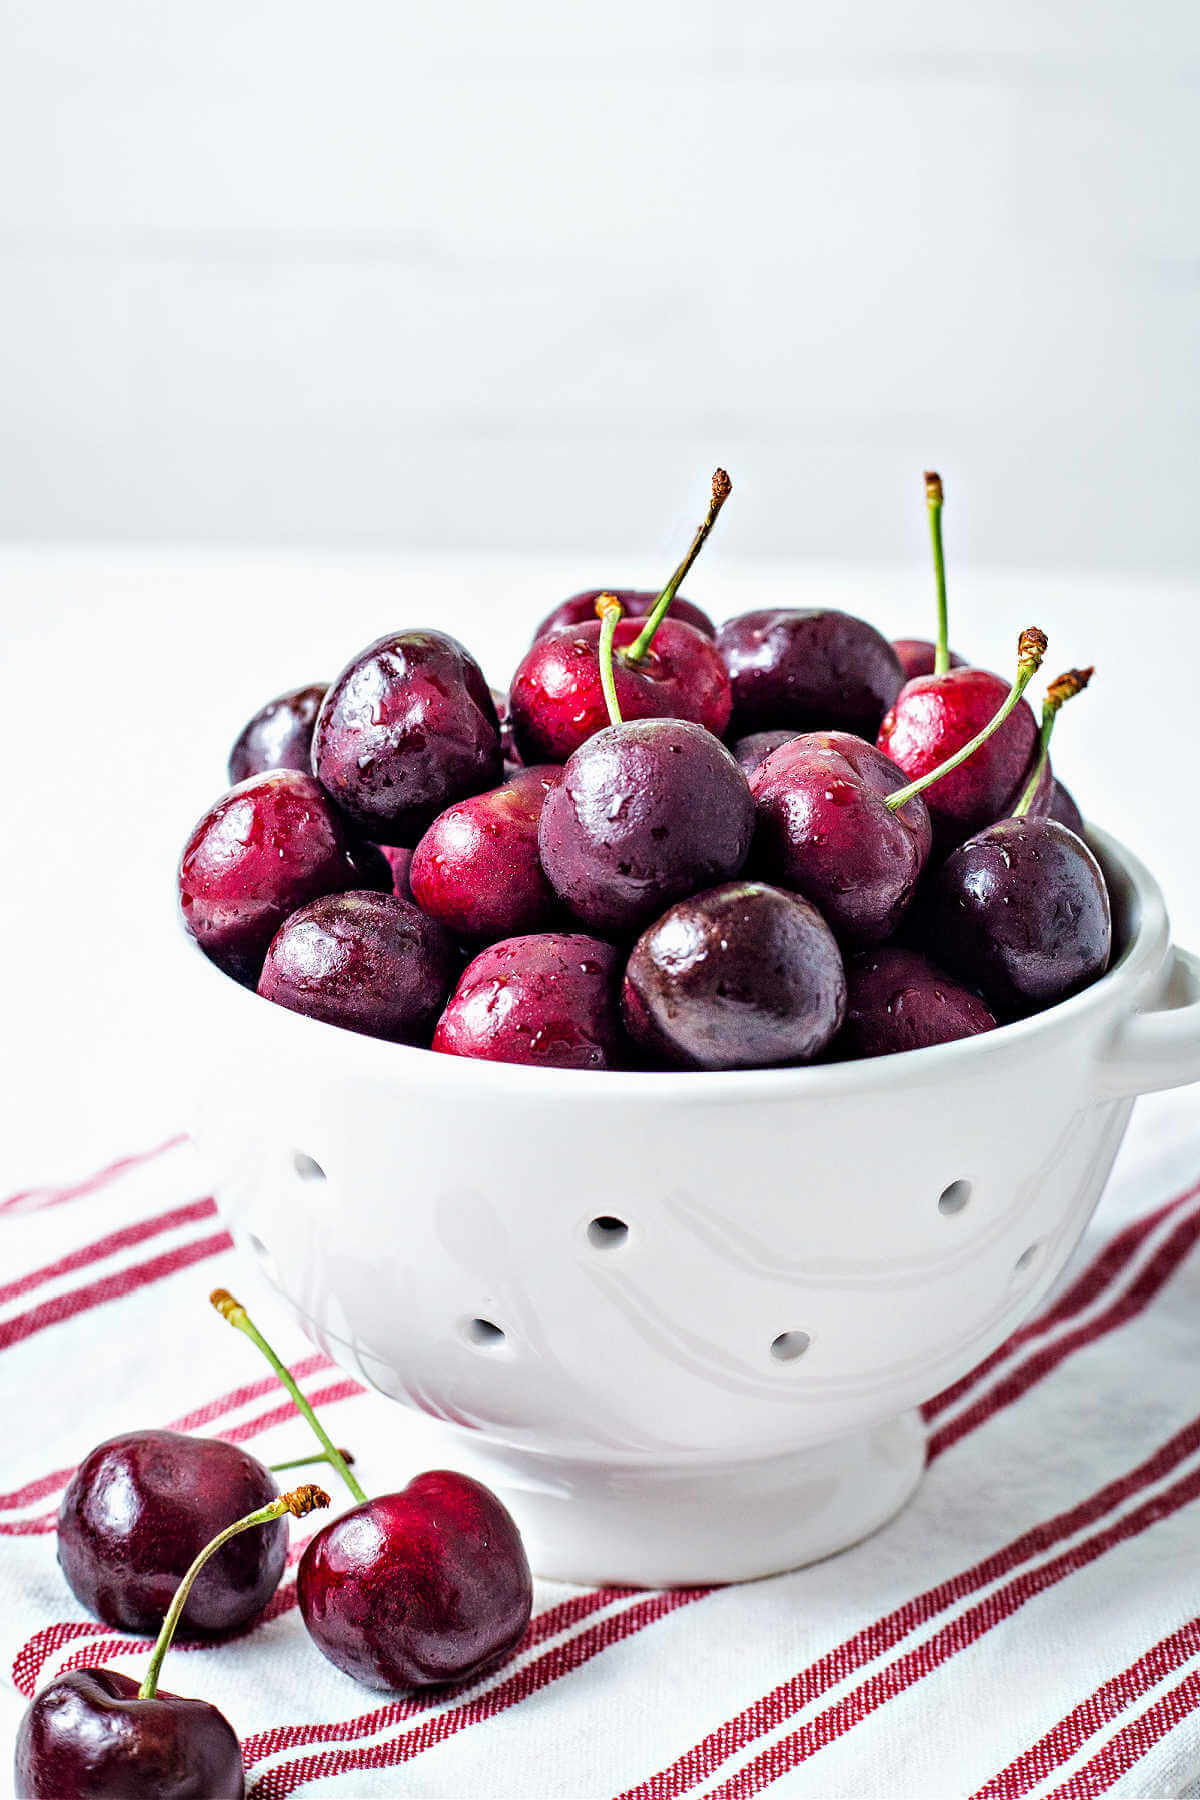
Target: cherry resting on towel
x,y
408,1590
97,1733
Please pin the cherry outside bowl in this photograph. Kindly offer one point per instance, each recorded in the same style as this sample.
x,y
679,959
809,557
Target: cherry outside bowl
x,y
681,1322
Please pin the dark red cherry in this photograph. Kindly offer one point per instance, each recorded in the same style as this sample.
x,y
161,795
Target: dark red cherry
x,y
1021,911
897,1000
266,847
477,868
557,702
279,736
87,1736
140,1508
419,1588
919,657
811,670
750,752
822,829
736,978
646,812
407,728
636,603
551,1000
366,961
936,715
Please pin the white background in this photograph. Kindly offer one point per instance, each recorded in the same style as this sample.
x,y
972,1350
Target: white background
x,y
319,321
512,273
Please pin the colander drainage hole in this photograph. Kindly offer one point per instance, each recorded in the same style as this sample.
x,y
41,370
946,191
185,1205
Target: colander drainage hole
x,y
952,1199
606,1233
307,1167
789,1345
1027,1261
483,1334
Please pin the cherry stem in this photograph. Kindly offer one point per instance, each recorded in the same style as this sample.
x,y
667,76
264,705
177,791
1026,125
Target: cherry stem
x,y
236,1315
300,1501
1061,689
306,1462
933,500
610,609
722,487
1031,647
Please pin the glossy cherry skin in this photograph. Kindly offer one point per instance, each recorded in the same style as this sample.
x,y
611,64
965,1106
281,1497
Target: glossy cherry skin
x,y
369,962
812,670
477,868
918,656
896,1000
934,716
740,977
556,701
138,1511
645,812
279,736
87,1736
407,728
823,830
550,1000
637,602
1021,911
419,1588
266,847
508,749
750,752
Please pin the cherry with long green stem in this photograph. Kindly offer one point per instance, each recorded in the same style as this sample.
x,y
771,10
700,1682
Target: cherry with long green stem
x,y
1031,648
97,1732
647,811
663,667
948,724
407,1590
722,487
1063,688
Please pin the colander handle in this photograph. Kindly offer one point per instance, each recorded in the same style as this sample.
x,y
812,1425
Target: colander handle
x,y
1159,1048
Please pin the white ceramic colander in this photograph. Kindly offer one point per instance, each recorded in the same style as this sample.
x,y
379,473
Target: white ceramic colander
x,y
683,1321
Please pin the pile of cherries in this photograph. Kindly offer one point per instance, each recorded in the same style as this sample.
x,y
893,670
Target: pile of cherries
x,y
666,847
407,1591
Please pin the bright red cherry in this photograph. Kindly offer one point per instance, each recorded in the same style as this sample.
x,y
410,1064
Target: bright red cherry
x,y
477,868
919,657
664,670
409,1590
269,845
549,1000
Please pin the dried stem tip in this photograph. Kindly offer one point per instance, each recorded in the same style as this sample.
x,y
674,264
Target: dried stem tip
x,y
1031,647
1065,687
722,487
933,488
305,1499
226,1305
608,603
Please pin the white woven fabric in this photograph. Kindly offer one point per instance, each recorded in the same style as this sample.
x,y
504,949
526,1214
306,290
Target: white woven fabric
x,y
1026,1627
